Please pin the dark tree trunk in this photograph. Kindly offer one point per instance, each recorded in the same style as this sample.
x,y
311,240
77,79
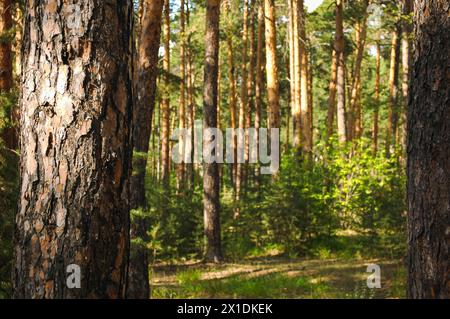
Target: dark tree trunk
x,y
429,153
211,183
9,134
145,93
76,116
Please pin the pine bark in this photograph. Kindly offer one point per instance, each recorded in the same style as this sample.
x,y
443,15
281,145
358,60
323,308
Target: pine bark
x,y
145,94
181,167
340,81
393,89
332,95
211,181
377,100
165,103
305,122
273,91
428,165
76,116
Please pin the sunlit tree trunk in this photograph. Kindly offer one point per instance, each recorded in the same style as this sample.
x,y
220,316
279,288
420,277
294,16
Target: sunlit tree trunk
x,y
243,103
259,84
211,183
332,95
428,154
296,77
146,66
233,97
407,8
306,138
181,169
355,128
76,117
191,103
273,95
165,104
393,89
377,99
340,80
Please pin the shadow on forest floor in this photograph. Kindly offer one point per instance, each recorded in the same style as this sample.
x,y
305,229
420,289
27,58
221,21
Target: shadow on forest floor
x,y
278,277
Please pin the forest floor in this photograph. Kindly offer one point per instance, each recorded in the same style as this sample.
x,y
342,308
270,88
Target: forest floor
x,y
278,277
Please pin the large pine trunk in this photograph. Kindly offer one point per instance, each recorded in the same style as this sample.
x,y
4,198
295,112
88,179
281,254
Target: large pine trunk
x,y
145,94
211,182
76,119
429,153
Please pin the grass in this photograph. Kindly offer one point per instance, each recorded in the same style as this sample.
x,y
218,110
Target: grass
x,y
278,278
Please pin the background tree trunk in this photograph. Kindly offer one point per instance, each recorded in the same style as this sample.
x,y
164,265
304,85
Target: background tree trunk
x,y
332,95
182,107
165,104
377,99
340,83
76,150
428,154
145,95
273,95
211,182
393,89
9,134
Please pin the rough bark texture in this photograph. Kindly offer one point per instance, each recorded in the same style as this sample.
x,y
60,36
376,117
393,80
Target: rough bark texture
x,y
76,115
273,91
145,94
296,75
211,182
429,153
340,81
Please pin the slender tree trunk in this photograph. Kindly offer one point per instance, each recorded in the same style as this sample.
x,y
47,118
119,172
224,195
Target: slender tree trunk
x,y
332,95
393,90
211,183
250,86
306,138
297,56
292,74
340,81
273,95
9,134
233,97
355,110
428,154
259,84
76,151
181,169
165,104
377,99
407,8
145,94
191,103
243,103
